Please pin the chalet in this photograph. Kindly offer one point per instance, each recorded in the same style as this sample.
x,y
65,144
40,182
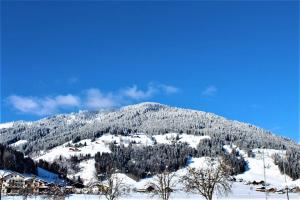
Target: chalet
x,y
102,188
272,189
149,188
295,189
53,188
261,189
13,183
29,184
97,188
41,186
94,190
281,191
69,189
35,185
74,149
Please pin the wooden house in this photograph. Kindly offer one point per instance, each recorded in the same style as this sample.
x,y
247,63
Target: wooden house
x,y
13,183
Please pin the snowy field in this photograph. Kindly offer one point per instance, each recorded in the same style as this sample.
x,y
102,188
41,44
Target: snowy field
x,y
240,191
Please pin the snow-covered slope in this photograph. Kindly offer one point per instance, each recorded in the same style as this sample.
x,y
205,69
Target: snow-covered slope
x,y
143,124
6,125
149,118
102,144
87,167
19,143
255,172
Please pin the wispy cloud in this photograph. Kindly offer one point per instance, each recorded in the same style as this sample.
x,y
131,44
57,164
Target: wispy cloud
x,y
134,92
153,89
43,106
210,90
72,80
169,89
23,104
95,99
67,100
91,99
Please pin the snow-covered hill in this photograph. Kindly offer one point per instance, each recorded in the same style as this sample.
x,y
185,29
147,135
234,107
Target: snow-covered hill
x,y
149,118
88,173
146,124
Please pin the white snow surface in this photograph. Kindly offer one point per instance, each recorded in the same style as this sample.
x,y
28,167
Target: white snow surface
x,y
102,144
19,143
87,172
6,125
90,148
169,138
273,175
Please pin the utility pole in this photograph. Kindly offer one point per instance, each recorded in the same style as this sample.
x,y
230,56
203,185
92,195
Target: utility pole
x,y
265,173
286,186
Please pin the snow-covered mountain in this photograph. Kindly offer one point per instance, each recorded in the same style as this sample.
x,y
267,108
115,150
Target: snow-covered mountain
x,y
145,124
149,118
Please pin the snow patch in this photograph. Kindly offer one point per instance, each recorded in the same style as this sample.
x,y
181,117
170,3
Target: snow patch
x,y
19,143
88,171
273,175
170,138
6,125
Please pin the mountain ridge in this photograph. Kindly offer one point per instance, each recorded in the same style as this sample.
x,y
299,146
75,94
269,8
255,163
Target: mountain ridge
x,y
147,117
142,105
143,127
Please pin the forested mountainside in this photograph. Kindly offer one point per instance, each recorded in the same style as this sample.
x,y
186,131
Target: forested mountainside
x,y
148,118
144,161
34,138
13,160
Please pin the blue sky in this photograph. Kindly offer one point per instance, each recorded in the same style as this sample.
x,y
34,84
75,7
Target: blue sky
x,y
235,59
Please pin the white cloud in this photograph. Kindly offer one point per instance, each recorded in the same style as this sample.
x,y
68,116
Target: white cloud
x,y
153,89
43,106
67,100
137,94
96,100
169,89
23,104
92,99
210,91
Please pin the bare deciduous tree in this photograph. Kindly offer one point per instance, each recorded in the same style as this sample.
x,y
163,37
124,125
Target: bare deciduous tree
x,y
116,186
163,184
208,180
